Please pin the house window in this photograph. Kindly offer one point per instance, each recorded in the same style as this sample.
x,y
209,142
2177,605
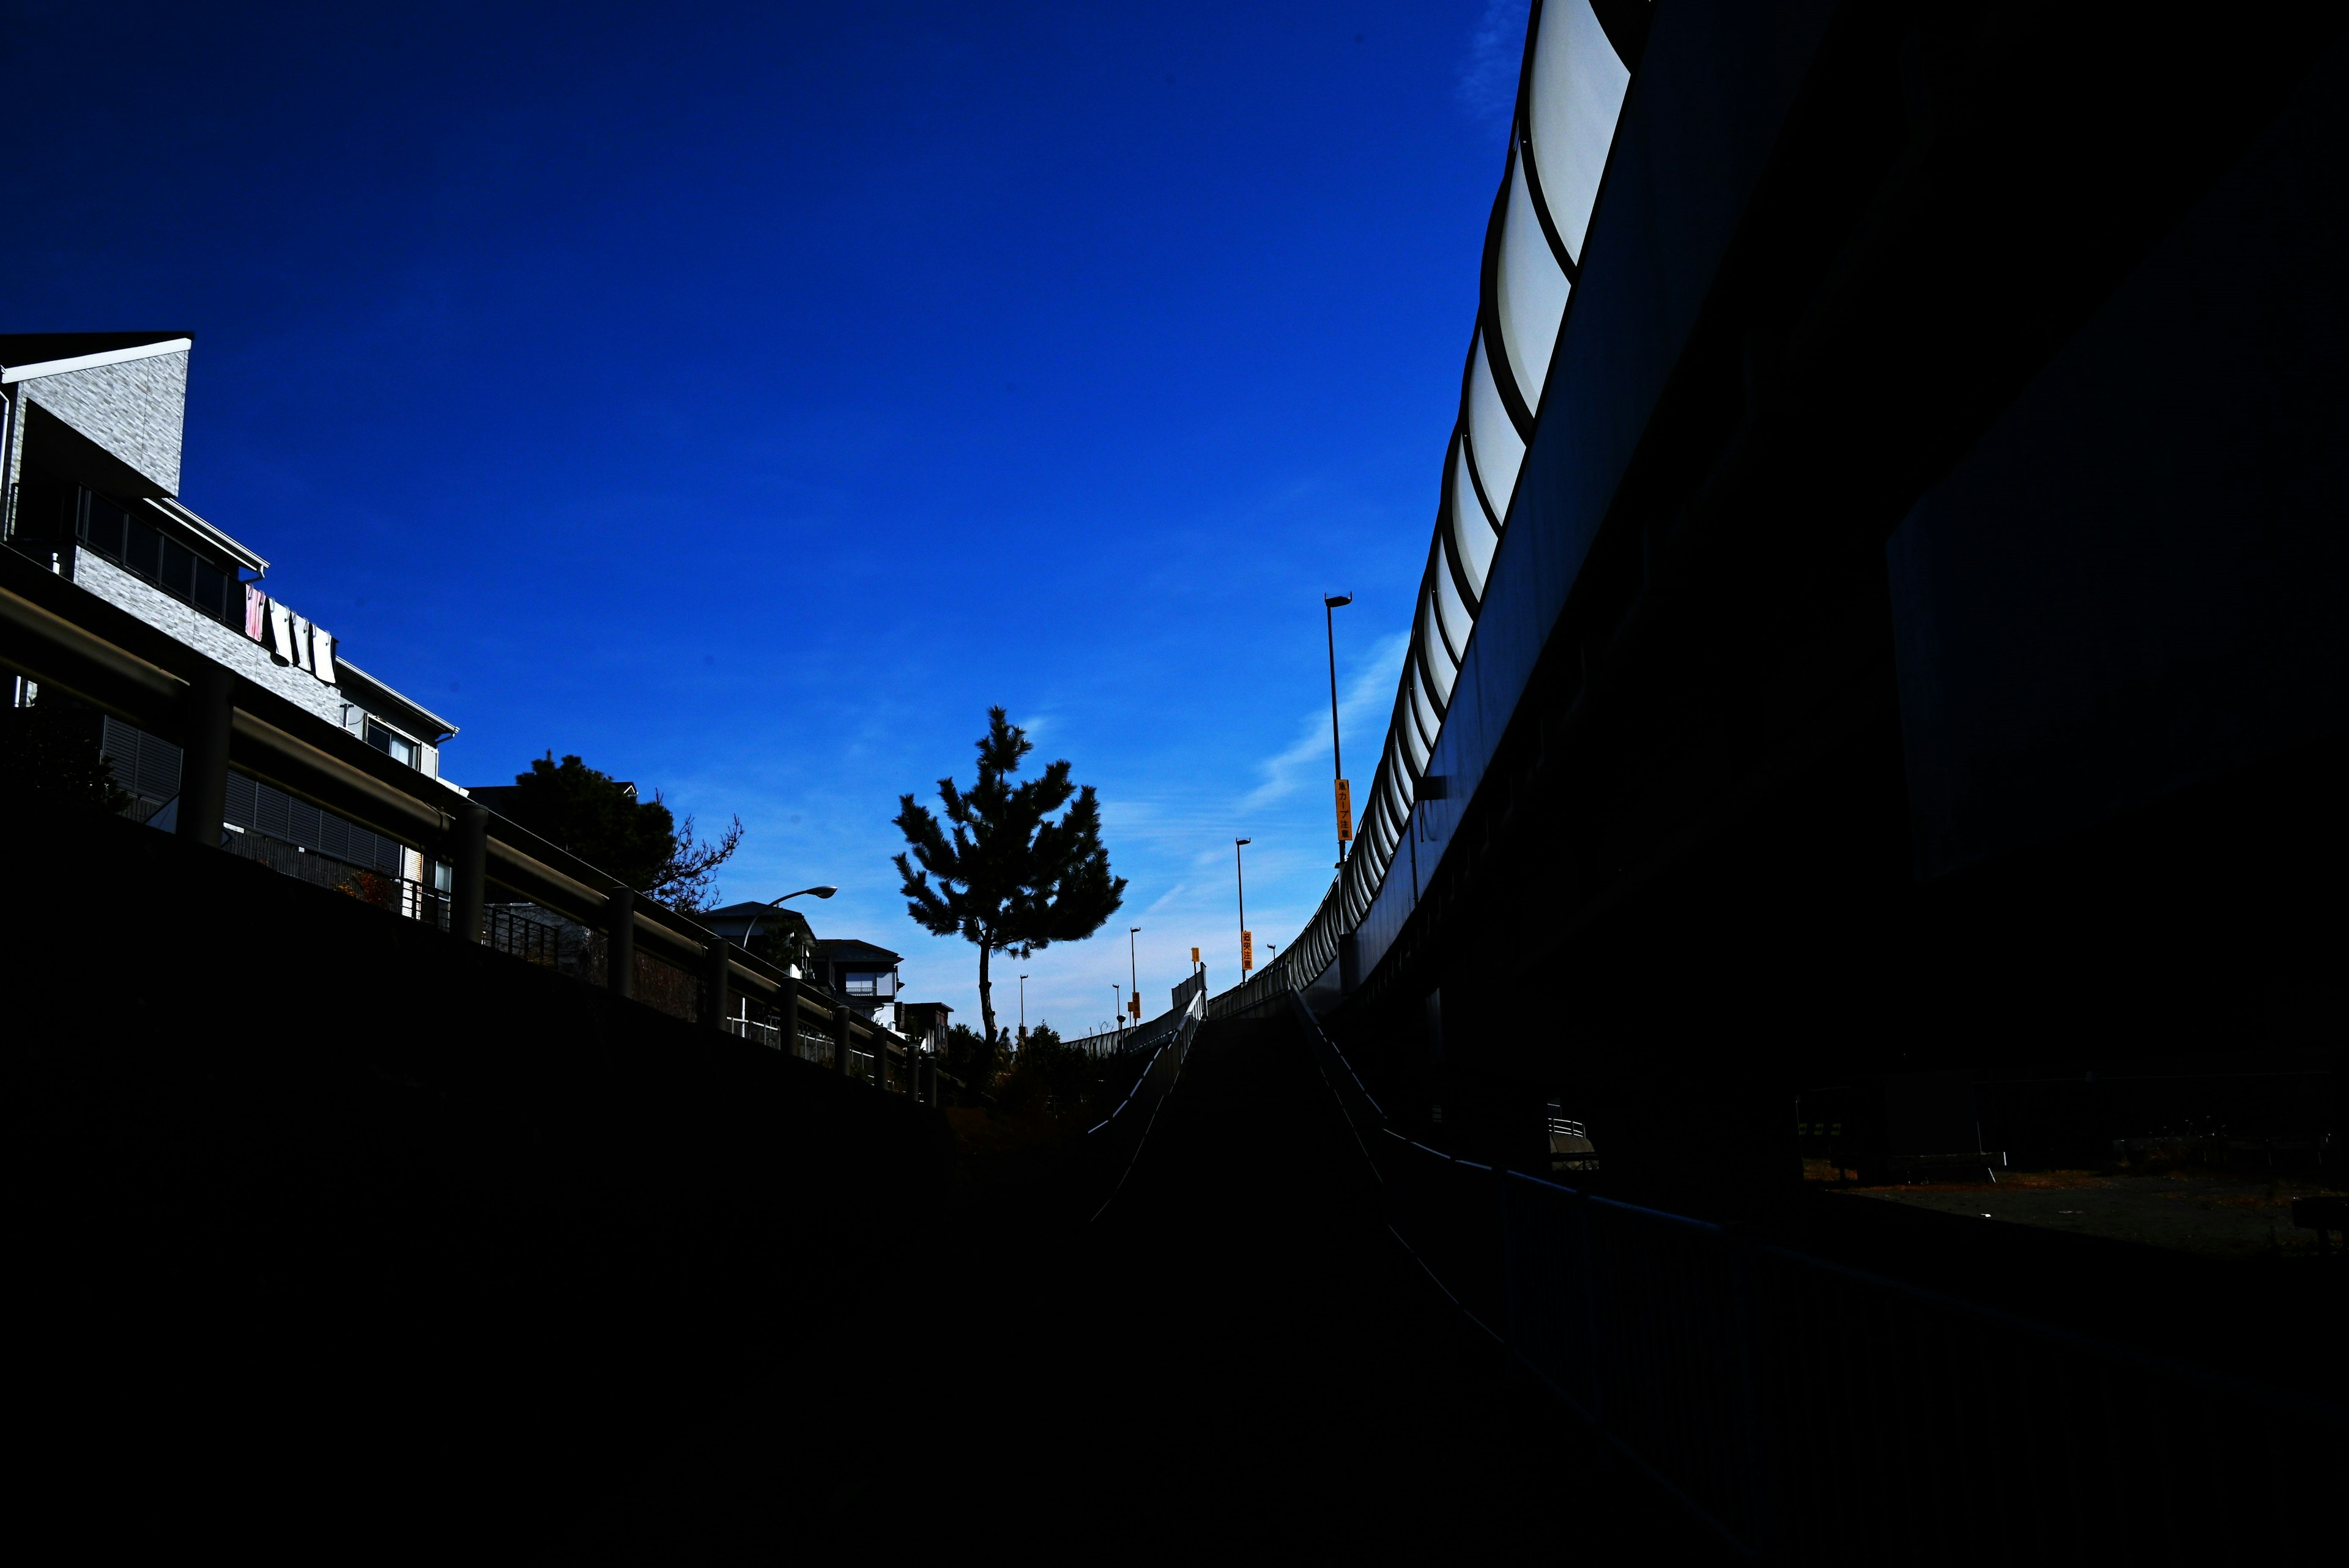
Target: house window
x,y
394,745
123,538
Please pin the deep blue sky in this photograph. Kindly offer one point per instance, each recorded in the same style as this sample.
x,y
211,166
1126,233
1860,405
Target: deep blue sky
x,y
745,398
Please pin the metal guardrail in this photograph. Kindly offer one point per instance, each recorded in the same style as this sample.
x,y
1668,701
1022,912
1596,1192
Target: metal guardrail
x,y
1810,1411
1141,1038
1137,1112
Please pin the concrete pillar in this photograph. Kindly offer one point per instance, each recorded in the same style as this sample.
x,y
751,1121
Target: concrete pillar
x,y
205,717
713,985
839,1017
472,871
620,947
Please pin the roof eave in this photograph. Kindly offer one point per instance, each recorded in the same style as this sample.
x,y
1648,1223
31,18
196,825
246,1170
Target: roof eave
x,y
447,730
15,373
179,514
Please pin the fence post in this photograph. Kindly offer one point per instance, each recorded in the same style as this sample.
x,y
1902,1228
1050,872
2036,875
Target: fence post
x,y
1761,1521
840,1037
472,871
206,720
1508,1267
714,978
620,942
1593,1343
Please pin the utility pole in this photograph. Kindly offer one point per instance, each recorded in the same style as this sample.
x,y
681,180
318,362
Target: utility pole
x,y
1330,603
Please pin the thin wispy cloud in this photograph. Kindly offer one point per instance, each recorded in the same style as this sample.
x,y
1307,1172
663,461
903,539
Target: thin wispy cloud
x,y
1362,710
1487,80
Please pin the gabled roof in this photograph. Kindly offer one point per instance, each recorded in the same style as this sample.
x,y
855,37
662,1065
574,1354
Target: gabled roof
x,y
740,918
848,950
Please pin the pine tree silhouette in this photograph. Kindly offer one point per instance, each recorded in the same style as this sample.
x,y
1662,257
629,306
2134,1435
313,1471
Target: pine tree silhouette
x,y
1011,878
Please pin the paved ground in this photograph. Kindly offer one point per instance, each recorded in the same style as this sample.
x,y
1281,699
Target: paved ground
x,y
2210,1216
1239,1358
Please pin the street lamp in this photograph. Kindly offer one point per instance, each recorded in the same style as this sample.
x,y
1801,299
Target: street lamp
x,y
1131,974
1330,604
1239,877
824,891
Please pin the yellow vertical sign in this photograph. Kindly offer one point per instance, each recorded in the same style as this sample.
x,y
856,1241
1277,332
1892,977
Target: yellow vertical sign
x,y
1247,951
1345,812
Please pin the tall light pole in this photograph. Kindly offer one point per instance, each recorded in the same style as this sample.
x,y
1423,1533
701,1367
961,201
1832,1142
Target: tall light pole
x,y
1330,603
1239,877
1132,974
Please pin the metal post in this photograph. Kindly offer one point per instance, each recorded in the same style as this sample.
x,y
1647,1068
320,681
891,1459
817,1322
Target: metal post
x,y
620,942
472,871
1330,603
1239,877
839,1016
1760,1532
206,719
714,960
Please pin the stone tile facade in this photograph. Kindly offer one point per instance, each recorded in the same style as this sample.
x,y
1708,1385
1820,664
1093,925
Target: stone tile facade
x,y
136,410
214,641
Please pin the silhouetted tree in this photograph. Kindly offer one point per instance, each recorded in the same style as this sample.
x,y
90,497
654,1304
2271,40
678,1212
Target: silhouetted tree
x,y
600,820
49,759
971,1058
1011,878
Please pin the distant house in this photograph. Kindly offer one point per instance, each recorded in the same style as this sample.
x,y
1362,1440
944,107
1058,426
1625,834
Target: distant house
x,y
862,975
780,936
858,972
501,798
925,1025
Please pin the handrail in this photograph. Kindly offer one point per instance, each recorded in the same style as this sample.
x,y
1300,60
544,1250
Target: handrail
x,y
1765,1386
66,638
